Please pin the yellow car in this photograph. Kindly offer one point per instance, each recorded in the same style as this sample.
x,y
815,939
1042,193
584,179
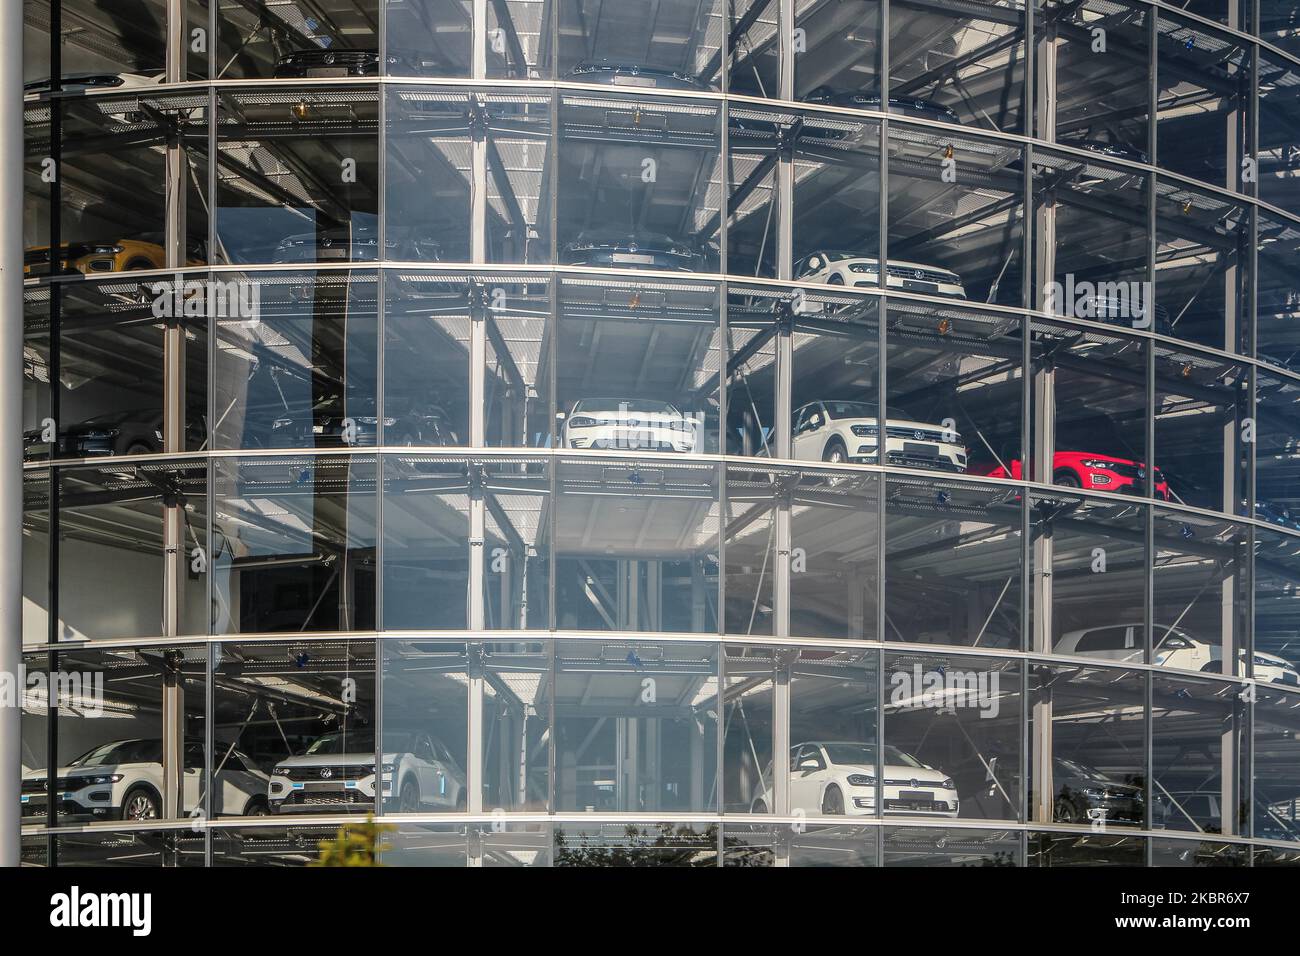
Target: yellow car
x,y
91,258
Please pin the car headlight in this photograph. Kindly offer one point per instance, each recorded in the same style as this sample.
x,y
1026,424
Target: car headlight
x,y
1098,463
863,431
948,784
281,771
282,423
862,267
861,780
106,250
582,422
389,767
100,780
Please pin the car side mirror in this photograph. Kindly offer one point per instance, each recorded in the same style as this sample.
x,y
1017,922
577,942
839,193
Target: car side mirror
x,y
808,766
815,262
816,420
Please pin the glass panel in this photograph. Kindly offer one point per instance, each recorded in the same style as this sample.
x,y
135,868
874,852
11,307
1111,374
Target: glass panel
x,y
520,39
1277,316
1095,555
1098,385
425,726
636,546
424,845
114,762
834,763
754,144
428,37
1277,615
1097,213
298,177
639,182
36,557
1196,725
834,552
673,46
1275,805
914,846
153,848
1278,158
1202,593
426,542
1062,849
747,731
1202,93
1202,267
636,729
841,846
285,845
516,728
296,364
953,737
295,40
1277,468
300,718
1098,772
835,216
958,66
753,60
836,376
1200,854
518,525
112,169
427,320
1279,26
294,544
836,55
114,539
749,537
1102,92
427,174
637,366
102,46
636,844
1202,410
754,314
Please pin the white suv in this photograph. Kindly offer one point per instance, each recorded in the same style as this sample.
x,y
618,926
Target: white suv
x,y
630,424
849,432
854,270
1174,648
337,772
123,779
836,778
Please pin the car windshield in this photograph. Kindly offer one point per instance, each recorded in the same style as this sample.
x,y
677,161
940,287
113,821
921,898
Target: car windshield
x,y
355,741
859,410
623,405
865,754
1081,770
121,751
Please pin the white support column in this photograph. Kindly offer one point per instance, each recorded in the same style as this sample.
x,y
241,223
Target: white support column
x,y
11,412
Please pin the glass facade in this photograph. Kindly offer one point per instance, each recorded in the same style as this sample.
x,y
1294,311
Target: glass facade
x,y
598,432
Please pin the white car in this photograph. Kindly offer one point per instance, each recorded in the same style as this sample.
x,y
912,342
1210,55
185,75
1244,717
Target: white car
x,y
836,778
123,780
624,424
848,432
850,269
338,773
1174,648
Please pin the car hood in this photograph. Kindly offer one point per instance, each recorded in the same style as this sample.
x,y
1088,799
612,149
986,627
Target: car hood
x,y
329,760
924,776
891,423
615,417
110,768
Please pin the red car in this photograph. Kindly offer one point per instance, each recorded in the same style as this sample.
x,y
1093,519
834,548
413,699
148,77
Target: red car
x,y
1078,469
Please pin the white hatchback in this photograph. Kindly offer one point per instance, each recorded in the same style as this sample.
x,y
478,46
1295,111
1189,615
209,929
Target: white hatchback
x,y
840,432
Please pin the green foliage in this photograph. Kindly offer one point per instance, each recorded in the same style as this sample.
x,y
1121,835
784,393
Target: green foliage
x,y
355,844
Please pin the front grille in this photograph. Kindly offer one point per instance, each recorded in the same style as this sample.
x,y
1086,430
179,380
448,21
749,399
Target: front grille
x,y
336,773
336,798
910,434
918,806
919,461
922,275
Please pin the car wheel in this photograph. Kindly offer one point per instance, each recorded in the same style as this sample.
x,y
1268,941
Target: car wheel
x,y
835,452
139,448
140,804
136,265
758,806
407,440
1066,479
1067,812
835,279
833,802
257,808
408,798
